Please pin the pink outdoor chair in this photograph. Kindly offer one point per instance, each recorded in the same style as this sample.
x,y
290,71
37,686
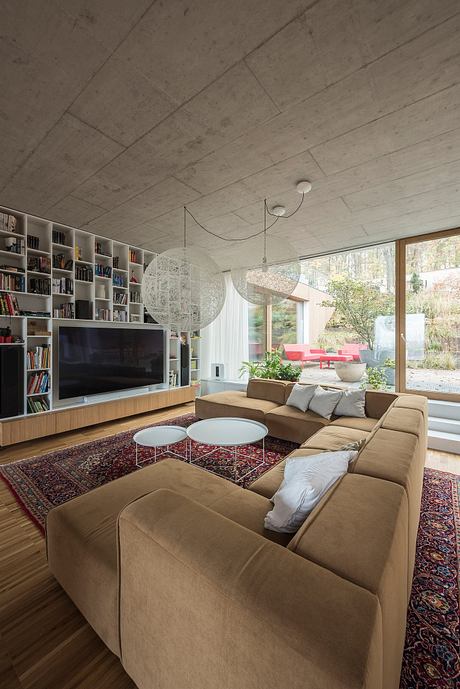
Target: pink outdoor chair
x,y
302,352
353,350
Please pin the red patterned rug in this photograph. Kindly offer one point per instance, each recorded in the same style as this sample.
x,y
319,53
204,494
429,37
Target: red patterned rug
x,y
432,652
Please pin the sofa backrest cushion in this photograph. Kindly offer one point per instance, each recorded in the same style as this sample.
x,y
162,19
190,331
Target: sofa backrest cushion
x,y
377,403
266,389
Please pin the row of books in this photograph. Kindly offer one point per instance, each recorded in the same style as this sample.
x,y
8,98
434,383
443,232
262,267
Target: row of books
x,y
120,298
103,271
119,281
62,286
64,311
39,286
103,315
37,404
120,316
133,257
135,296
8,305
15,283
84,273
39,264
101,250
62,262
59,237
8,223
33,242
12,245
39,357
38,382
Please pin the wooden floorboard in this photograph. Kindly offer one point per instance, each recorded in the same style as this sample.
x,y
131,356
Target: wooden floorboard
x,y
45,643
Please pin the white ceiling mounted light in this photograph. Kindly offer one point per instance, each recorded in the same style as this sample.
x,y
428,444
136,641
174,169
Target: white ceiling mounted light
x,y
303,187
183,289
279,211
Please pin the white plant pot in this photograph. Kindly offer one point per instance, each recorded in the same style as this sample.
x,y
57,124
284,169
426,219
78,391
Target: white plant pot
x,y
350,371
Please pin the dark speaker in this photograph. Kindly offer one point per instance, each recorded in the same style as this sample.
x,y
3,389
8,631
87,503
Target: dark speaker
x,y
83,309
11,381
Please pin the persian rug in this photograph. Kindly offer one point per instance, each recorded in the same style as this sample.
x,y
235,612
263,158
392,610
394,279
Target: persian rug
x,y
432,649
40,483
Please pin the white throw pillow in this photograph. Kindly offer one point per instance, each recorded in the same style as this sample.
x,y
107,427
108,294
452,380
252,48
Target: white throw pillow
x,y
352,403
300,396
324,402
306,480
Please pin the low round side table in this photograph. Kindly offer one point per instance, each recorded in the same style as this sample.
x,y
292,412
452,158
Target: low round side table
x,y
161,437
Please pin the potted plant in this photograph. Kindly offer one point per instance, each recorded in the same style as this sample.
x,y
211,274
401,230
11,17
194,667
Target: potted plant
x,y
375,379
389,368
271,367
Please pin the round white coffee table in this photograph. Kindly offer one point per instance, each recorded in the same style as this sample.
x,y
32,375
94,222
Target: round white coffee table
x,y
160,436
230,433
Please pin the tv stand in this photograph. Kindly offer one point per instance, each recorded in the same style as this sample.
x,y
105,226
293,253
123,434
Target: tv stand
x,y
17,430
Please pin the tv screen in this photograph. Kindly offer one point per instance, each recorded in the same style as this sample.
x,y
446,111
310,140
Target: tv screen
x,y
97,360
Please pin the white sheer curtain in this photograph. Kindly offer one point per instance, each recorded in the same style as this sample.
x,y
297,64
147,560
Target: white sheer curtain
x,y
225,340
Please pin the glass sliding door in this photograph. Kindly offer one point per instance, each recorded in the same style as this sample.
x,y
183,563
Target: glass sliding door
x,y
430,323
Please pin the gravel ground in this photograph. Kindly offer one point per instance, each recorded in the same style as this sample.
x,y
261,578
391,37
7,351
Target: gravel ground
x,y
417,379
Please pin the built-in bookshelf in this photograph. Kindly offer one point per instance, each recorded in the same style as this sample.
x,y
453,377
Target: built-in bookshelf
x,y
50,273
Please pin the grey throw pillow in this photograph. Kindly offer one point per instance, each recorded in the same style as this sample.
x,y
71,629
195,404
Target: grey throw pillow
x,y
324,402
352,403
300,396
355,445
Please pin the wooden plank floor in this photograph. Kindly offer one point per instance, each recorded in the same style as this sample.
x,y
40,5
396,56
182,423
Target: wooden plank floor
x,y
44,641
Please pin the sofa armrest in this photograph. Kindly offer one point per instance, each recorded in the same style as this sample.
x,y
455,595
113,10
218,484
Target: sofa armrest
x,y
206,603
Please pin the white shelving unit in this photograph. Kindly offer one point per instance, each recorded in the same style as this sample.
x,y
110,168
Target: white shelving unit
x,y
60,272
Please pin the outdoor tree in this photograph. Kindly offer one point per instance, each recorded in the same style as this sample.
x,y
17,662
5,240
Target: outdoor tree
x,y
358,304
416,283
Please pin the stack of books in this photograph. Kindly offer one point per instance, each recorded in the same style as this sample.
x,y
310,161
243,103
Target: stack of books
x,y
36,405
8,223
39,264
84,273
62,286
120,298
39,286
103,314
64,311
103,271
61,262
58,237
38,383
15,283
33,242
8,305
38,357
120,316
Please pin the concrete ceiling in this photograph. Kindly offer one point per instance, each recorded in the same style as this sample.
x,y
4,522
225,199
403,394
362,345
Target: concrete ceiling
x,y
115,114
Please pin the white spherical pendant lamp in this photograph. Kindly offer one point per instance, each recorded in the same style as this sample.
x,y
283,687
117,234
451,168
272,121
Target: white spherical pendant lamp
x,y
267,277
183,289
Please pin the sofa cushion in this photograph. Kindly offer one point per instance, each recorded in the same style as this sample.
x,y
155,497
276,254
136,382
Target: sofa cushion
x,y
351,403
264,389
306,480
292,424
334,437
233,403
324,402
366,424
359,531
399,458
377,403
406,420
270,481
81,533
301,396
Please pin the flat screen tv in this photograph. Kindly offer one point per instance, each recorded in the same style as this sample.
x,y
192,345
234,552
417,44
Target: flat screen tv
x,y
97,360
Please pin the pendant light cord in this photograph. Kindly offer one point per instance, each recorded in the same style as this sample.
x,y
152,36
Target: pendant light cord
x,y
251,236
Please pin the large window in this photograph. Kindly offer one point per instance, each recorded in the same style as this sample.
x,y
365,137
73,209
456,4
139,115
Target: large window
x,y
431,323
285,323
257,332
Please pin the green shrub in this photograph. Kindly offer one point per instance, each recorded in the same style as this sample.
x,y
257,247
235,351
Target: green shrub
x,y
271,366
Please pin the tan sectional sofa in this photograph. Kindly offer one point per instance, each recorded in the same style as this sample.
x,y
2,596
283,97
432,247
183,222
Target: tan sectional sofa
x,y
172,567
